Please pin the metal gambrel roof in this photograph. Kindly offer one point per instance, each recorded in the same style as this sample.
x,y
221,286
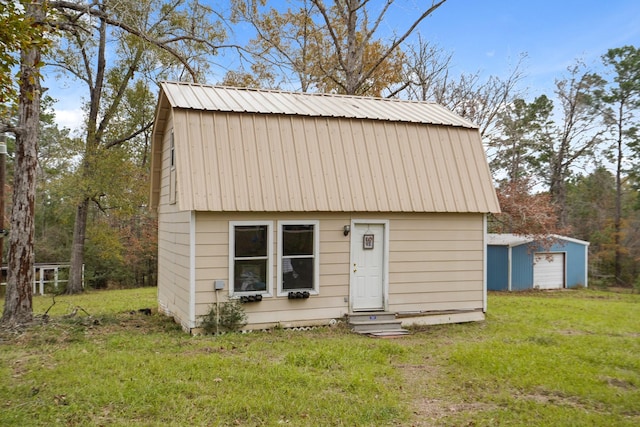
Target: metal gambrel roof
x,y
244,150
241,100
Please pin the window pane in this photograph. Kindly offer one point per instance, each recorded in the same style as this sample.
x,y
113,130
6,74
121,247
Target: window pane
x,y
251,240
297,273
250,275
297,240
172,152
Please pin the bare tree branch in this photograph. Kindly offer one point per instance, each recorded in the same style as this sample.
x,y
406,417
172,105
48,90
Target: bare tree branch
x,y
64,6
128,137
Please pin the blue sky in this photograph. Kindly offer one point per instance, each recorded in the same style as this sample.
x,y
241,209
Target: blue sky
x,y
488,36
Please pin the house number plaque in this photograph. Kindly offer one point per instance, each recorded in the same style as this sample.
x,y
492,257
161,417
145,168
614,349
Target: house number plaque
x,y
367,241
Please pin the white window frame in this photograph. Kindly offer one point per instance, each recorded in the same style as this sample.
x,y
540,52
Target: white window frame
x,y
316,256
268,292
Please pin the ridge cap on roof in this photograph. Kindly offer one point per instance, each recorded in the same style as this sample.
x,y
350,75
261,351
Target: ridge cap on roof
x,y
293,92
339,105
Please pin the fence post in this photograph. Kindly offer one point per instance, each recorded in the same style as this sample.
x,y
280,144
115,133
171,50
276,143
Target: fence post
x,y
41,280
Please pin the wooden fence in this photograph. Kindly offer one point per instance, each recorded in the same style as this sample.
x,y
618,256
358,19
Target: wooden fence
x,y
46,274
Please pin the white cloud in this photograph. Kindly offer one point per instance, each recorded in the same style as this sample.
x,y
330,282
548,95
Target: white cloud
x,y
72,119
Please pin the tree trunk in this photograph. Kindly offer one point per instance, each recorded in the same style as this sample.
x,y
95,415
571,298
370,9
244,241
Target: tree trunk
x,y
557,185
18,308
3,174
353,60
74,285
77,252
558,191
617,236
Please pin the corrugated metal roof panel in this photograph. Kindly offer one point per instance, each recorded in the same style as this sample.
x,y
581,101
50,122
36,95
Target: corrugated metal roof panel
x,y
508,239
240,100
270,163
296,155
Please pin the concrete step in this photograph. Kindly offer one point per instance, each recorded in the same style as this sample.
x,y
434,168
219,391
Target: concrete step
x,y
379,324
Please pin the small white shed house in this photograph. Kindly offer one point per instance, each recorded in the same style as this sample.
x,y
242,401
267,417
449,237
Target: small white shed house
x,y
314,207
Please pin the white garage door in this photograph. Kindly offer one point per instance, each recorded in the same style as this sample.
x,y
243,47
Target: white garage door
x,y
548,271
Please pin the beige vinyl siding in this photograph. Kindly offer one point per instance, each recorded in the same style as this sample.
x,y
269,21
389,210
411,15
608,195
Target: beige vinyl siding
x,y
173,266
173,247
435,264
212,263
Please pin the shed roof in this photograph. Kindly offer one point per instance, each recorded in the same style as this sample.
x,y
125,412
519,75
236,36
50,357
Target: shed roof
x,y
244,100
507,239
247,150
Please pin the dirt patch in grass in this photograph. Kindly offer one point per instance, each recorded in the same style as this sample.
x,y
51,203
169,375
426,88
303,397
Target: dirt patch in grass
x,y
550,399
62,330
545,397
573,332
616,382
429,411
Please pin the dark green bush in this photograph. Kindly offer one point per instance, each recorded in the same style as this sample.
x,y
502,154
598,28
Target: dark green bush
x,y
224,317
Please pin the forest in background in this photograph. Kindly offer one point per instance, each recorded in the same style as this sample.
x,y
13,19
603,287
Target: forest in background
x,y
563,162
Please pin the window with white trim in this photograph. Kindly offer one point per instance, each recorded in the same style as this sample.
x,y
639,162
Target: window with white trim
x,y
298,261
251,255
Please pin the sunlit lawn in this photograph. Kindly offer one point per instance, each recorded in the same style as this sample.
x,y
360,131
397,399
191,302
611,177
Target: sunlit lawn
x,y
559,358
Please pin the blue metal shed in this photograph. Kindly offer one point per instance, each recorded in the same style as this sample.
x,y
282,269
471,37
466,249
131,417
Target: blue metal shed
x,y
516,263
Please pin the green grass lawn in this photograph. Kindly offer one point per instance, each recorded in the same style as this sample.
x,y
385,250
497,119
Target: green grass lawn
x,y
567,358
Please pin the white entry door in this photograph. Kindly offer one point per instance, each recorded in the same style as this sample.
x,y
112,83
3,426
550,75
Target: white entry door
x,y
368,267
548,271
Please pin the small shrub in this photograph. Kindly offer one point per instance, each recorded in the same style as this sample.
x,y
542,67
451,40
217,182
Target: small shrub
x,y
224,317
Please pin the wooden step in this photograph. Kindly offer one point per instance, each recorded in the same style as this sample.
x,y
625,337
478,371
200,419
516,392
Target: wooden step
x,y
389,334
